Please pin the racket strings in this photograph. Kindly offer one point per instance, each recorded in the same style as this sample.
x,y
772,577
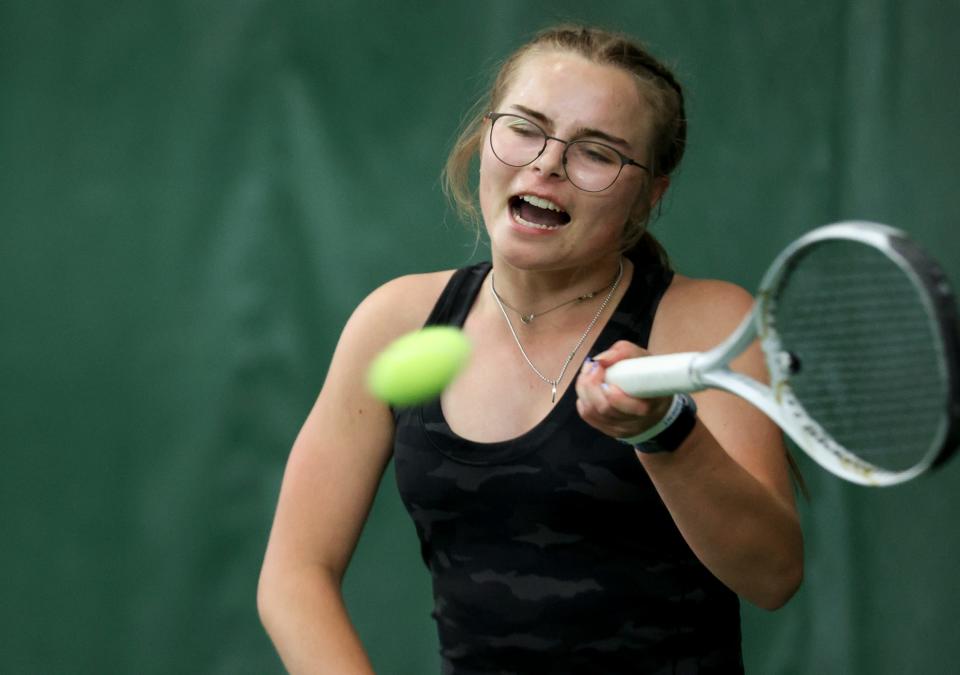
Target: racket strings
x,y
870,366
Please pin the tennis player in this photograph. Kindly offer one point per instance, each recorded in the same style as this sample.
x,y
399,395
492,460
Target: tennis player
x,y
568,527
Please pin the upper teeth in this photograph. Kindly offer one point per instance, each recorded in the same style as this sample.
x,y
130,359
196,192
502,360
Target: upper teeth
x,y
542,203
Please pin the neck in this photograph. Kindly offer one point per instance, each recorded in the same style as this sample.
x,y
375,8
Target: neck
x,y
533,290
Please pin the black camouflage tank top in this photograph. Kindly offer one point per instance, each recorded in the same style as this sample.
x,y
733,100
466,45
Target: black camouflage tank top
x,y
552,552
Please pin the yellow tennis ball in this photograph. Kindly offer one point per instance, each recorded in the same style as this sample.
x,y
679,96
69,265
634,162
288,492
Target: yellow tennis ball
x,y
417,366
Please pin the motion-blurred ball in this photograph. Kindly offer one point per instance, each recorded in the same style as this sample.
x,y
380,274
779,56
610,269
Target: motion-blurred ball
x,y
417,366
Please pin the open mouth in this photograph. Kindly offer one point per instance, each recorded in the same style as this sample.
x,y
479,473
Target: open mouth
x,y
537,212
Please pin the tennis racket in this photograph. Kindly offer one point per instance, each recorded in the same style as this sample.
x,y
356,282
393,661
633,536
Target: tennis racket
x,y
859,330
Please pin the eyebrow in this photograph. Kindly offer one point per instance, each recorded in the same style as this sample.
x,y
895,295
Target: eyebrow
x,y
579,133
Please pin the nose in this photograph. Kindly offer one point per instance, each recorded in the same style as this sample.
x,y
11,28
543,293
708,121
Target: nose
x,y
550,161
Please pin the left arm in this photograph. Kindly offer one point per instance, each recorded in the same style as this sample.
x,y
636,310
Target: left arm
x,y
728,485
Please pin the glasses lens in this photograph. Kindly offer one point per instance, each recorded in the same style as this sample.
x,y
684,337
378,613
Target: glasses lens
x,y
592,166
516,141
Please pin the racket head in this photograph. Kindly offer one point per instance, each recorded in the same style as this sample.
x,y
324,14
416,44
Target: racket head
x,y
860,333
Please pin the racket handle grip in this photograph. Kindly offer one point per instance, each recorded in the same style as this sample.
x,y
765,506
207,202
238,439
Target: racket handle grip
x,y
655,375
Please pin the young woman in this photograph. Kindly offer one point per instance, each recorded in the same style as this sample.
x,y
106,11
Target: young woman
x,y
554,545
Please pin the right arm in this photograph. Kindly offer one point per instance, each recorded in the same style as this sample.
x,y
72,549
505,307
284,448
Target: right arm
x,y
328,488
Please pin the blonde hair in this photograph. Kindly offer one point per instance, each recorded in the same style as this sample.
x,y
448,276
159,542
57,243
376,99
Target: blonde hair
x,y
656,83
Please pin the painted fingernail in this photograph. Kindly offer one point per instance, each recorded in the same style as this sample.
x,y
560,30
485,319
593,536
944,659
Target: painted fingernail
x,y
605,387
588,365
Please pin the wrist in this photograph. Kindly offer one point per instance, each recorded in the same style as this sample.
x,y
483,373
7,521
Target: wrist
x,y
671,431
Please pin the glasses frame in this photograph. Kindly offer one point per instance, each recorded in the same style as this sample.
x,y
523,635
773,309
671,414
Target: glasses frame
x,y
624,160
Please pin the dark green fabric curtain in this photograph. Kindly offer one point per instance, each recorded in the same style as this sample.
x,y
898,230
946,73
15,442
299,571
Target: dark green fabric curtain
x,y
194,196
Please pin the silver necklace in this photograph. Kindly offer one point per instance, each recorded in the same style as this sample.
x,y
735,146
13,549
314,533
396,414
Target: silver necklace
x,y
528,318
596,317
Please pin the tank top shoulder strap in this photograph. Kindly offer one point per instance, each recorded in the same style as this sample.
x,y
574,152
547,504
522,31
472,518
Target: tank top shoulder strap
x,y
633,317
458,295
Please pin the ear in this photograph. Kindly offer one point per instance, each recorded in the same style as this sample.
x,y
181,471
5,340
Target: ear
x,y
643,207
658,188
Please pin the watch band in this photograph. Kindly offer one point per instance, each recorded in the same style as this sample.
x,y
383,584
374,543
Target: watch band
x,y
670,432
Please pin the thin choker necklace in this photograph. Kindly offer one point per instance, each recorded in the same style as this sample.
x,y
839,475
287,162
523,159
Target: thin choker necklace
x,y
596,317
528,318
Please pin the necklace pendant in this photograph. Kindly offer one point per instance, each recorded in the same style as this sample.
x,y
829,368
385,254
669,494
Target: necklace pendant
x,y
553,393
527,318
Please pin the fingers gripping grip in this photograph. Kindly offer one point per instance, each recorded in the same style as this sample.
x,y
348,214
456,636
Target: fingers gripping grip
x,y
655,375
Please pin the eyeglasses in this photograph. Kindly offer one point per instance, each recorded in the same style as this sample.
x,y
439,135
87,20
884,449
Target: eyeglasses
x,y
589,165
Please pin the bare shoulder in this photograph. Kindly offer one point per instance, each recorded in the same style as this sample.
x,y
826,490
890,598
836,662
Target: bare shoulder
x,y
696,314
397,307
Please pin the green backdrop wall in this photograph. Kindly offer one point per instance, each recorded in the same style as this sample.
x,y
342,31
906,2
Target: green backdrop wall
x,y
195,194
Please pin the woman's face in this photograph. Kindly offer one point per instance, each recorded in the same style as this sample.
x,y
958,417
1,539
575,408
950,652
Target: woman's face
x,y
570,98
